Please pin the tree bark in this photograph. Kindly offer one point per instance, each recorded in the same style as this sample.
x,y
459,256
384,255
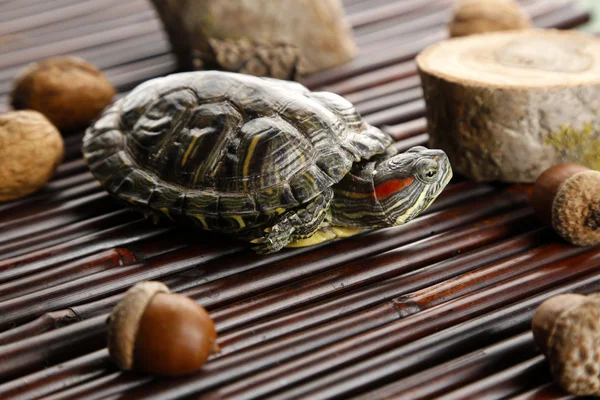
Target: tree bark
x,y
506,106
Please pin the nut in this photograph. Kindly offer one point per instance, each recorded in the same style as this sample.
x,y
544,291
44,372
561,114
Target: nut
x,y
30,150
567,330
479,16
160,333
69,91
567,196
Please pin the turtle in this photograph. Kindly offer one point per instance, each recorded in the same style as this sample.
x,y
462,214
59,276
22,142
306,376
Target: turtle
x,y
261,159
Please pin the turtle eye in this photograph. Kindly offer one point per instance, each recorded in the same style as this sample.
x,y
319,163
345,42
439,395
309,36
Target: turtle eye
x,y
426,170
430,173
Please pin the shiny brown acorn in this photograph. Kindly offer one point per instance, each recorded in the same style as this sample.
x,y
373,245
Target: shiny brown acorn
x,y
160,333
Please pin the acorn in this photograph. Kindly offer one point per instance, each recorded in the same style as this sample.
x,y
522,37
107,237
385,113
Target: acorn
x,y
160,333
567,330
567,197
479,16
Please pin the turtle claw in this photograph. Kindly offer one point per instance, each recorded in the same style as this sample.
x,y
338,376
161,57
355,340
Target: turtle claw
x,y
266,247
276,238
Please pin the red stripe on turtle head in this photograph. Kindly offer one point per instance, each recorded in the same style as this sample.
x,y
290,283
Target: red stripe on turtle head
x,y
392,186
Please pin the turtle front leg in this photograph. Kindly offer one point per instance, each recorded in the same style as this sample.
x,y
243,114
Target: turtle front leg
x,y
297,224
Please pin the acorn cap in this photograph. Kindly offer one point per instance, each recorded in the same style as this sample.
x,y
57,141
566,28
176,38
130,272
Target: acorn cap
x,y
124,321
572,342
576,209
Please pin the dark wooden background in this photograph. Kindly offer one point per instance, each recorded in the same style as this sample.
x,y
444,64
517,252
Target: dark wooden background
x,y
438,307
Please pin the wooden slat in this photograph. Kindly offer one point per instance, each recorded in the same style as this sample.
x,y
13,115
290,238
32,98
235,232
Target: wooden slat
x,y
440,306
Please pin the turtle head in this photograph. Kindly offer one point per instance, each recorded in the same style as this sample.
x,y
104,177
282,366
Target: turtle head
x,y
407,183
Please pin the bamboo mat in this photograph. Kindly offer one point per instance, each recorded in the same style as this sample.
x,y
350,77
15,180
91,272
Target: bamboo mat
x,y
439,307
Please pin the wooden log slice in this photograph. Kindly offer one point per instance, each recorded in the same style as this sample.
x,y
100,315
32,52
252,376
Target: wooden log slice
x,y
508,105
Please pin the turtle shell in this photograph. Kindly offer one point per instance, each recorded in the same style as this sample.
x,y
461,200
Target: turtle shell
x,y
227,150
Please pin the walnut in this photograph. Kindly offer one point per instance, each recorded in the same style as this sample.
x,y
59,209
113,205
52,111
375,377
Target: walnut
x,y
479,16
69,91
30,149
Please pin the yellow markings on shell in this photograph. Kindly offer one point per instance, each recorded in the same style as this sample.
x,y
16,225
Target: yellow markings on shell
x,y
189,150
196,175
344,232
277,176
311,123
202,219
309,178
251,149
301,157
239,220
280,210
